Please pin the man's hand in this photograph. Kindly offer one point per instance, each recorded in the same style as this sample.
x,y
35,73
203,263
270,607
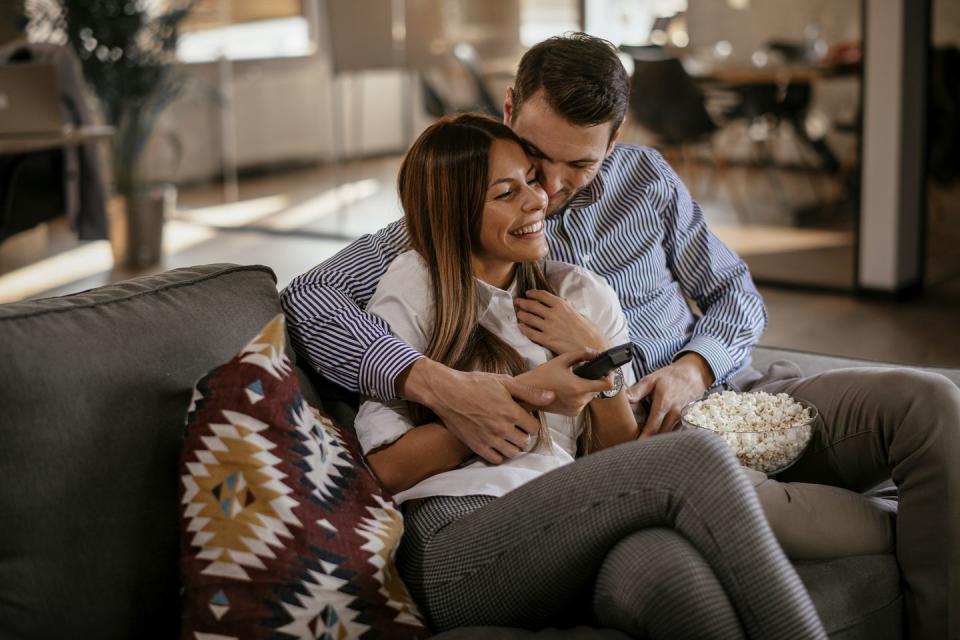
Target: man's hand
x,y
671,388
572,393
478,408
553,323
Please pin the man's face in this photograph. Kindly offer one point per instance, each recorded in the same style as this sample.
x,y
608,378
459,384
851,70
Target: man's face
x,y
567,156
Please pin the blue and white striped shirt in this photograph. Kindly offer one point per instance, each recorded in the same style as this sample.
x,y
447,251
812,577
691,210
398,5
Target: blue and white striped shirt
x,y
635,224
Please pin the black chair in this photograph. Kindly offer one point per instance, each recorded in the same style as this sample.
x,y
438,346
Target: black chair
x,y
780,103
31,190
666,102
464,60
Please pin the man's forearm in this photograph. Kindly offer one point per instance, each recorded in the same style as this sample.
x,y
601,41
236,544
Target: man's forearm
x,y
327,323
417,383
699,367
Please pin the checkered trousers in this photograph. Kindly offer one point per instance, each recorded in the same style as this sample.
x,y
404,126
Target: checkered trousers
x,y
529,558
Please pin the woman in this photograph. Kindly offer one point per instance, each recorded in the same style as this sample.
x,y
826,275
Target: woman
x,y
649,548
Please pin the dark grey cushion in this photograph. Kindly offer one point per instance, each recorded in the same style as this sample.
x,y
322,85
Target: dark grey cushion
x,y
508,633
856,597
811,363
94,389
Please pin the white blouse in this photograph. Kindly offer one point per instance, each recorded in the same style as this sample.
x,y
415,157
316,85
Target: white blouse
x,y
404,299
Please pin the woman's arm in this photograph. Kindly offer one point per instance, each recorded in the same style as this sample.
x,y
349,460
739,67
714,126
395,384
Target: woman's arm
x,y
422,452
612,421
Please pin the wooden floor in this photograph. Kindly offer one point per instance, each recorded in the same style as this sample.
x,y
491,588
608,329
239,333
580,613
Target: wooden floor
x,y
293,220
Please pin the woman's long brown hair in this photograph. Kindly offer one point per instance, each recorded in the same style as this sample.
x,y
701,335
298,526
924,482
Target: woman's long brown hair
x,y
443,185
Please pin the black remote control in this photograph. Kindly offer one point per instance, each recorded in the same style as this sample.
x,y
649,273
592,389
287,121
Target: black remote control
x,y
605,362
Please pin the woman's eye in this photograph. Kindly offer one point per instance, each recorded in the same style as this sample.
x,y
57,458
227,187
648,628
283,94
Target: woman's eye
x,y
505,195
532,181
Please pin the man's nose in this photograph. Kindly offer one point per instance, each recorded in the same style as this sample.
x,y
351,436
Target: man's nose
x,y
535,198
551,178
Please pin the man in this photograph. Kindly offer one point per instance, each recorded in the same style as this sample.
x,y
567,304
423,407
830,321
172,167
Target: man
x,y
620,211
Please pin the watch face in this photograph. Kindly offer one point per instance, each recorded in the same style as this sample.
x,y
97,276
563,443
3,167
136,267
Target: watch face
x,y
617,384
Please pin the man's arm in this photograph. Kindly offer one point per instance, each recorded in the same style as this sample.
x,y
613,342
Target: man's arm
x,y
719,282
358,349
328,325
717,279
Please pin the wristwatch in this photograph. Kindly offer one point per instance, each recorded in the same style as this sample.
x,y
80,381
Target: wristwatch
x,y
617,385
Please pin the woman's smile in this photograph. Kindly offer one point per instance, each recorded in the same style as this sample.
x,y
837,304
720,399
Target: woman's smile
x,y
529,232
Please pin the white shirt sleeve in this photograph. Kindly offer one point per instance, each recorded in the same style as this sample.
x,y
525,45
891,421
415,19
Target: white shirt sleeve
x,y
404,300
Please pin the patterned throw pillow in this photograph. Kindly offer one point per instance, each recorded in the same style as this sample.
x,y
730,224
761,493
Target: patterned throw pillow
x,y
286,534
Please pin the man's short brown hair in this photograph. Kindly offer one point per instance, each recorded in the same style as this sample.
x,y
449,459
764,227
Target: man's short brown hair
x,y
581,76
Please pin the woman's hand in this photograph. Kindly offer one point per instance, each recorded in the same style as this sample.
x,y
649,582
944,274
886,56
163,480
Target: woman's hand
x,y
552,322
572,393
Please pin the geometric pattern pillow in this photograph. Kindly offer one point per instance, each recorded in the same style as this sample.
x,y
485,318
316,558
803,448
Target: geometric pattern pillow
x,y
285,533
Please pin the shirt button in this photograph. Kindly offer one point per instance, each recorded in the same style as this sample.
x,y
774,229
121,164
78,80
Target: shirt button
x,y
586,258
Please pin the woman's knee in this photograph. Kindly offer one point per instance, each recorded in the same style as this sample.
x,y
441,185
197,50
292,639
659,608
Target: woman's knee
x,y
704,449
696,466
690,441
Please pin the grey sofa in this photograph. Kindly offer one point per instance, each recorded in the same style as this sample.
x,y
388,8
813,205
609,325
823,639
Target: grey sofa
x,y
93,392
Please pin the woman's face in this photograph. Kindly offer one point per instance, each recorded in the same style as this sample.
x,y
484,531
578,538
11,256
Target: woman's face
x,y
511,230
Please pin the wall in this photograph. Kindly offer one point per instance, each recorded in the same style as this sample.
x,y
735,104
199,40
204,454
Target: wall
x,y
709,21
281,110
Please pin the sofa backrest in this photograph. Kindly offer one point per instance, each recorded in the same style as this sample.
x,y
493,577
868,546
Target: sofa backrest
x,y
94,389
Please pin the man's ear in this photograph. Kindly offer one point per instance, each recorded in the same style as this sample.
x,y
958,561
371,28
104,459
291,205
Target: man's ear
x,y
613,139
508,107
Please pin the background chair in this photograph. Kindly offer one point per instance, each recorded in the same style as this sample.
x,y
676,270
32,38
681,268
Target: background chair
x,y
667,102
437,84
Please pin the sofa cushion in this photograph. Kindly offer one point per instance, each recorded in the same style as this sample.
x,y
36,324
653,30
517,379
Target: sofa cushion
x,y
286,533
94,388
857,597
811,363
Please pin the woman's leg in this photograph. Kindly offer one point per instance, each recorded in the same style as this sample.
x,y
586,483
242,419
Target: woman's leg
x,y
527,558
654,584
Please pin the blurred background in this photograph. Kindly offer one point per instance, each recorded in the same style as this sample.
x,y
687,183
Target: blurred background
x,y
820,137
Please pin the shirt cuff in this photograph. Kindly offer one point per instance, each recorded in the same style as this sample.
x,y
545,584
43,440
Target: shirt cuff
x,y
713,351
383,362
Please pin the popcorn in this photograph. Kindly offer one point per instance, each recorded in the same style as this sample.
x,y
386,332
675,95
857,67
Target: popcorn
x,y
767,432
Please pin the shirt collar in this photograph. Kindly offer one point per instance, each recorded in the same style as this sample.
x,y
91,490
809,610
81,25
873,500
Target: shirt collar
x,y
590,194
487,294
489,297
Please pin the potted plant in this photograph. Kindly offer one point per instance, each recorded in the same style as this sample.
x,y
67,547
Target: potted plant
x,y
127,50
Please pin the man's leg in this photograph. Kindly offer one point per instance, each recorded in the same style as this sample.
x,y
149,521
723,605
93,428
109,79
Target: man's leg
x,y
905,424
822,522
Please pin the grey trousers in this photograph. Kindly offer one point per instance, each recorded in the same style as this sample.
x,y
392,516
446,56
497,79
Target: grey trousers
x,y
876,423
603,531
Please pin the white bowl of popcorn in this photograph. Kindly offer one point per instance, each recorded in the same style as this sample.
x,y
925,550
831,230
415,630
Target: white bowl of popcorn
x,y
767,432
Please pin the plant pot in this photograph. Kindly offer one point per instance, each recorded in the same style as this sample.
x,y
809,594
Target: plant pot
x,y
136,226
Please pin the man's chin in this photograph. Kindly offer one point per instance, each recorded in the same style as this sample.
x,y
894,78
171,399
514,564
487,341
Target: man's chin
x,y
559,204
